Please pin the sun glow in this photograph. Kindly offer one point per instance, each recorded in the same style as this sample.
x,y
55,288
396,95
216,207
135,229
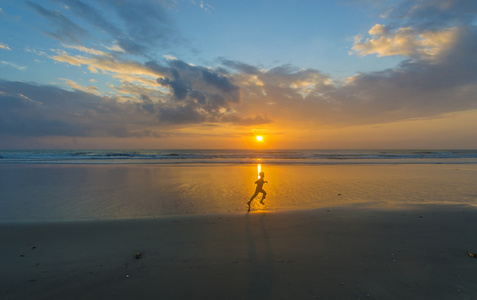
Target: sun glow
x,y
259,138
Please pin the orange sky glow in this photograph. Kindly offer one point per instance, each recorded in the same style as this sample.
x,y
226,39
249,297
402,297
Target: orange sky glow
x,y
388,75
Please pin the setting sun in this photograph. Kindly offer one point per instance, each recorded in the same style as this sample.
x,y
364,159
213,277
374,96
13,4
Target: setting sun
x,y
259,138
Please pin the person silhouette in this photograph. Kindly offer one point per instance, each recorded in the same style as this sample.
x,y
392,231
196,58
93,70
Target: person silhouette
x,y
258,189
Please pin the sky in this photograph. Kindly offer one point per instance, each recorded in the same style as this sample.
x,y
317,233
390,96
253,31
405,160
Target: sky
x,y
173,74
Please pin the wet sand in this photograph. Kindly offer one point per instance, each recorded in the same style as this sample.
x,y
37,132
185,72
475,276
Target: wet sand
x,y
99,192
350,252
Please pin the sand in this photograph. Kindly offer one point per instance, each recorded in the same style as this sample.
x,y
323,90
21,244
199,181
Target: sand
x,y
351,252
55,192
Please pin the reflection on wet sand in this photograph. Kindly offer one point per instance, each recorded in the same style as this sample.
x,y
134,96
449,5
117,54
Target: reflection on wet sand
x,y
70,192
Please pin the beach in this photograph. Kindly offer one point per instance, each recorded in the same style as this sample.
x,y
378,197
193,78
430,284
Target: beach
x,y
74,192
329,253
262,150
146,231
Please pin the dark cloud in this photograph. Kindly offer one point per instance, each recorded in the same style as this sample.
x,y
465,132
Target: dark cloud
x,y
220,82
179,87
67,31
92,15
239,66
181,114
33,110
417,88
198,96
147,104
142,25
205,91
434,14
22,116
145,25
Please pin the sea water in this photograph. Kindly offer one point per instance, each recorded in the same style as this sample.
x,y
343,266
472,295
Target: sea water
x,y
239,156
54,185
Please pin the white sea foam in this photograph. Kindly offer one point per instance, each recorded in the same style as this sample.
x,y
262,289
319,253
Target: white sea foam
x,y
240,156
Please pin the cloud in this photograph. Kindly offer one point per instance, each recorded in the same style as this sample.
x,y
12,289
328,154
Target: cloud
x,y
438,42
92,69
115,48
417,88
433,14
438,75
13,65
67,31
406,42
248,121
239,66
38,111
76,86
135,26
4,46
170,57
128,70
88,50
206,6
22,116
31,110
181,114
424,29
202,93
239,94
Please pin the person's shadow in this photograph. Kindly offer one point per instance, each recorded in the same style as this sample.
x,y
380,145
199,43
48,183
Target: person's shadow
x,y
261,258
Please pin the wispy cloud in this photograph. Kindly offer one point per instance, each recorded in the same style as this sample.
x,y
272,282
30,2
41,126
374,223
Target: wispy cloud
x,y
432,14
123,70
4,46
76,86
13,65
206,6
137,26
66,30
88,50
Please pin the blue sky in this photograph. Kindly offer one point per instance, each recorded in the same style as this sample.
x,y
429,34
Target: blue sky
x,y
307,34
212,74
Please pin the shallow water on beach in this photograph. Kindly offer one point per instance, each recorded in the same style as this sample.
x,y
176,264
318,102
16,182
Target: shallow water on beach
x,y
53,192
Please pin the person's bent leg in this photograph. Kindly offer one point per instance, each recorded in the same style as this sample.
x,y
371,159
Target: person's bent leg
x,y
263,197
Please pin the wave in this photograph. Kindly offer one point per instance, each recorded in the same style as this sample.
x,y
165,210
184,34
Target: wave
x,y
239,156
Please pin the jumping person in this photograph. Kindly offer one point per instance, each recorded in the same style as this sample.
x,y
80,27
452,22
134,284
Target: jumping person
x,y
258,189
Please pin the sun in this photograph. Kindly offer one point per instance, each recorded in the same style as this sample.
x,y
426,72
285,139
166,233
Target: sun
x,y
259,138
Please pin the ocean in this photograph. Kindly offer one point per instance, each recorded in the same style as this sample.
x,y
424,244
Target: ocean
x,y
78,185
239,156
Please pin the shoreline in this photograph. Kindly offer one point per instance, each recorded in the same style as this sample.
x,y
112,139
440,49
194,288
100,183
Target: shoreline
x,y
357,207
83,192
344,252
